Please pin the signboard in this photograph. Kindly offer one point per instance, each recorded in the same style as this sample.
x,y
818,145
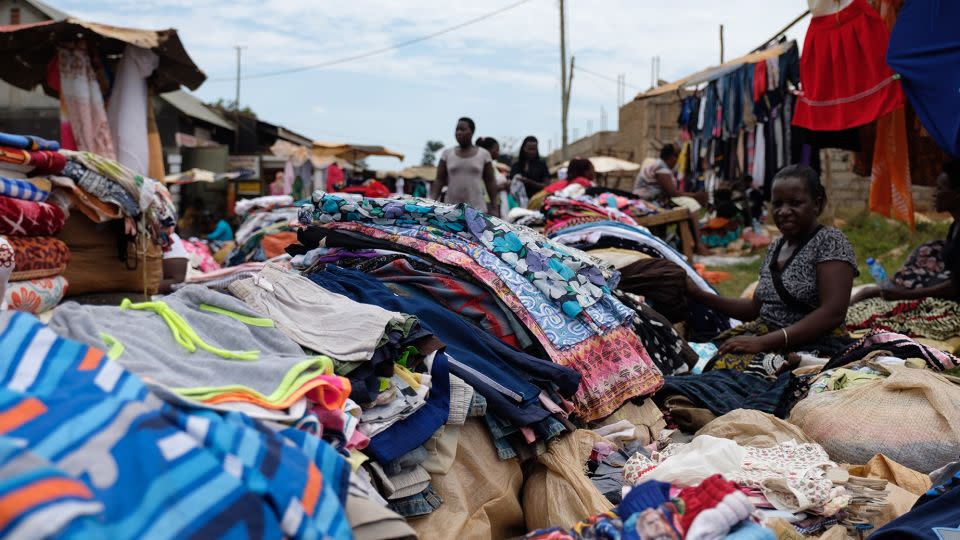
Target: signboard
x,y
248,188
252,163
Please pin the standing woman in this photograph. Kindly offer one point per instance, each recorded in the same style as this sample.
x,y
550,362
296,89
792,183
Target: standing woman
x,y
532,170
467,171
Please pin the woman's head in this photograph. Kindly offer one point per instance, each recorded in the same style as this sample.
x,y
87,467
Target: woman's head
x,y
669,155
464,132
948,189
530,149
798,198
580,168
490,145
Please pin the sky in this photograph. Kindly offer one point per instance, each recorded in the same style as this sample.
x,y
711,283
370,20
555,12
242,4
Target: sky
x,y
504,72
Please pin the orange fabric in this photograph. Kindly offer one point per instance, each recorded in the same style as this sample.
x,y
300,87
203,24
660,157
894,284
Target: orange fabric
x,y
20,414
91,360
17,502
712,276
311,491
326,394
890,193
275,244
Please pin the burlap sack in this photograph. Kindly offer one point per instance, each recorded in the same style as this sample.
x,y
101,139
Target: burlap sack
x,y
100,264
558,492
913,417
481,494
748,427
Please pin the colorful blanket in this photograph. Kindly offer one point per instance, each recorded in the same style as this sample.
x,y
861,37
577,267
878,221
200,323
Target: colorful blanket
x,y
35,295
38,257
29,218
569,280
39,163
27,142
34,189
90,452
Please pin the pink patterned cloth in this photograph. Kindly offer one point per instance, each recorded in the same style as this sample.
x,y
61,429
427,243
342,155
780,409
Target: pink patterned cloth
x,y
614,366
81,104
200,252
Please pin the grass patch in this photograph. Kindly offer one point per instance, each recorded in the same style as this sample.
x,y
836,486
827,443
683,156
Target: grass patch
x,y
888,241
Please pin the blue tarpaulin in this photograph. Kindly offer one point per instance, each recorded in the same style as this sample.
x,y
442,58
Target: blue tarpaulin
x,y
925,50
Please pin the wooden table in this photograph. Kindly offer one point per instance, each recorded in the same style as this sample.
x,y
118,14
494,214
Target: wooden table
x,y
679,216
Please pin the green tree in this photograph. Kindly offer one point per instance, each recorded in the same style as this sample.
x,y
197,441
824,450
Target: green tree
x,y
430,152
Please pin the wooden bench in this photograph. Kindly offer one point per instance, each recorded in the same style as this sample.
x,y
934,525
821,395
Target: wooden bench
x,y
680,217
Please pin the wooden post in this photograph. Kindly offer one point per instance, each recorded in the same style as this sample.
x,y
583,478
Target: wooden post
x,y
828,184
564,96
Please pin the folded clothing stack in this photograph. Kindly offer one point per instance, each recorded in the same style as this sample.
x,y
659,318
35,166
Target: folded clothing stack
x,y
28,223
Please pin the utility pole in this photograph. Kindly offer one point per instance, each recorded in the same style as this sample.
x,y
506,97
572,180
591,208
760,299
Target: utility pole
x,y
565,81
721,43
236,106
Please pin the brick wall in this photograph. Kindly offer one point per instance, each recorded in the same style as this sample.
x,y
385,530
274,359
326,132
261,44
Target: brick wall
x,y
848,191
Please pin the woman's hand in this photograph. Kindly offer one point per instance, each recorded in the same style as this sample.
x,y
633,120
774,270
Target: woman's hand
x,y
895,292
866,293
744,345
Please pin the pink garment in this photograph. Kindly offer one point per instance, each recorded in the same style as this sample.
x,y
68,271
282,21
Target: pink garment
x,y
200,251
82,103
289,177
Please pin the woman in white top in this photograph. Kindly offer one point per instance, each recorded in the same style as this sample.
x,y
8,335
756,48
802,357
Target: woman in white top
x,y
466,171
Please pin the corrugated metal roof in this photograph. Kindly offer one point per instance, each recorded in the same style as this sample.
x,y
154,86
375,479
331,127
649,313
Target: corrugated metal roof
x,y
194,108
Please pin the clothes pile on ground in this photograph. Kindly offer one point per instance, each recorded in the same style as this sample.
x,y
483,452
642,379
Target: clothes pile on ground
x,y
265,228
32,259
406,368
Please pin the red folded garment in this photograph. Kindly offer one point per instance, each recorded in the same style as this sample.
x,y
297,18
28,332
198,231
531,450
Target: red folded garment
x,y
43,161
29,218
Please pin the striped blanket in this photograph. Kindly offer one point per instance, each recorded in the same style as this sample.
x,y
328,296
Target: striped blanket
x,y
87,451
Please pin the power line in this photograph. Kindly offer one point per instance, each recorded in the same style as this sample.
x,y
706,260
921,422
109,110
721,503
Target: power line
x,y
606,78
395,46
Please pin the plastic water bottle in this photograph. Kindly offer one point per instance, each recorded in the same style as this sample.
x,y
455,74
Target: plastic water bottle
x,y
877,271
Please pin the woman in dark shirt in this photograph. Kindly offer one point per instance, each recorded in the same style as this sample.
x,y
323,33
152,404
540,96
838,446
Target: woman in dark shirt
x,y
928,271
532,170
803,294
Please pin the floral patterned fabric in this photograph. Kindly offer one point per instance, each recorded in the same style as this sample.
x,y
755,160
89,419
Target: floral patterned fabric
x,y
571,282
38,257
924,268
29,218
36,295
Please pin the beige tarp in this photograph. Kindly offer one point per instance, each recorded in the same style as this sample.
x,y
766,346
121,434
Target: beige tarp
x,y
352,152
605,165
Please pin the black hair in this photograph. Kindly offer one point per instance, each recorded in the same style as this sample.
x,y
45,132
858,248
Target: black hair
x,y
469,121
487,143
668,151
521,158
809,176
952,170
578,167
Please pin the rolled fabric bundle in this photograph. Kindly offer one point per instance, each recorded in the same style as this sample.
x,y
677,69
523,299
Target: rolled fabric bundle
x,y
40,163
38,257
35,295
27,142
33,189
29,218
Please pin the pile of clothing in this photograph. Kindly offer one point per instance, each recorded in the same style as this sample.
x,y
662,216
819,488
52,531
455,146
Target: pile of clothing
x,y
563,297
32,259
104,190
562,212
266,228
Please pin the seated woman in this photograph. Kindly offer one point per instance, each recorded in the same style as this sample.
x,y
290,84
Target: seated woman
x,y
657,183
927,272
804,289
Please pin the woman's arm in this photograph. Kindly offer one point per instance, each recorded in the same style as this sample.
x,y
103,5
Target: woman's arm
x,y
834,280
490,182
895,292
669,187
745,309
440,182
